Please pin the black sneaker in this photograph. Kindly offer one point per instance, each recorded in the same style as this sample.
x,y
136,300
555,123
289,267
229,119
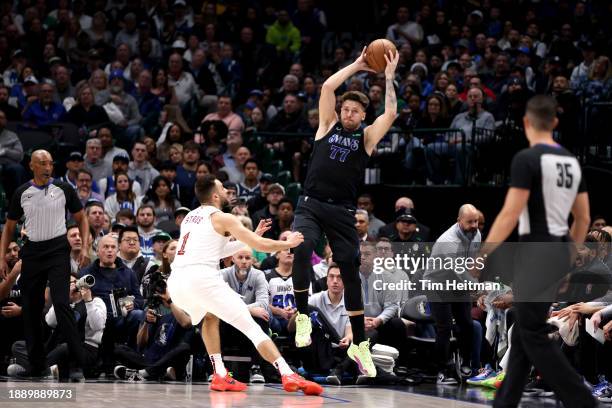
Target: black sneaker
x,y
123,373
335,377
446,378
256,376
537,388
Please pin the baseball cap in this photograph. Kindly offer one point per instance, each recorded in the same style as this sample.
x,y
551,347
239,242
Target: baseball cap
x,y
55,60
161,236
515,81
31,79
179,44
121,157
267,177
464,42
118,227
180,3
250,105
255,92
477,13
117,73
276,187
18,53
230,186
586,46
406,218
181,210
75,156
524,49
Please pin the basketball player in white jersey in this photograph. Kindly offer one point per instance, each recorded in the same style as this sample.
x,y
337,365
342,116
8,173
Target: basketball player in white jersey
x,y
197,286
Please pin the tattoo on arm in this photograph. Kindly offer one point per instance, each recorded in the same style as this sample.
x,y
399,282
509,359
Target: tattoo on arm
x,y
390,98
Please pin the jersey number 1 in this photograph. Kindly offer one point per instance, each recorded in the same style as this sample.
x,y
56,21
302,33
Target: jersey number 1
x,y
182,250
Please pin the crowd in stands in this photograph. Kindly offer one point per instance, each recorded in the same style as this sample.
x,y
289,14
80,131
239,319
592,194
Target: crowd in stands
x,y
162,92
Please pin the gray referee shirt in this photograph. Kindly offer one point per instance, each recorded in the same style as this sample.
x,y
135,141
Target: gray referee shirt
x,y
254,290
44,208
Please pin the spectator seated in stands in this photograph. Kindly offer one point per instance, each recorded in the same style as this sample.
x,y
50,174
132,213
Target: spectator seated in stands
x,y
125,108
94,162
90,313
225,113
251,284
11,154
161,196
458,147
330,326
282,299
123,197
164,336
43,111
85,114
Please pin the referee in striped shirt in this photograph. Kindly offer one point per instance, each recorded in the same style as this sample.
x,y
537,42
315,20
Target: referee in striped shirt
x,y
46,256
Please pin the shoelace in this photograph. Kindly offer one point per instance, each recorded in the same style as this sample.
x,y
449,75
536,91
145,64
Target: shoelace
x,y
302,327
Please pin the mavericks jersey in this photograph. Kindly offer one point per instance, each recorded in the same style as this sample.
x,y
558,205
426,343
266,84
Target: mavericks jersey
x,y
554,179
337,166
199,243
281,289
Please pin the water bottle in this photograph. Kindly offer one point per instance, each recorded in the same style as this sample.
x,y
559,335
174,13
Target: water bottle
x,y
189,370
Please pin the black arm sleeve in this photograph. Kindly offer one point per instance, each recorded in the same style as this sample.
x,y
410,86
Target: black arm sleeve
x,y
521,171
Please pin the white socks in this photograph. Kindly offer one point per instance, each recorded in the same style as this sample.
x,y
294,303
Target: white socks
x,y
218,366
282,366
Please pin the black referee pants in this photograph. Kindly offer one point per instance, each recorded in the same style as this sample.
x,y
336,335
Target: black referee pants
x,y
538,270
47,261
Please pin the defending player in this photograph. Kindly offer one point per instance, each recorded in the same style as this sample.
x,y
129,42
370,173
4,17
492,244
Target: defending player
x,y
197,286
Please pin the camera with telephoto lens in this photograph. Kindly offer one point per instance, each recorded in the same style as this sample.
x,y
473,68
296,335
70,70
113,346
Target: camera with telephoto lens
x,y
86,282
157,286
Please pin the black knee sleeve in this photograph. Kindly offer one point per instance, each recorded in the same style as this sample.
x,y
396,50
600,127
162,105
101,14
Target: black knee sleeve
x,y
352,284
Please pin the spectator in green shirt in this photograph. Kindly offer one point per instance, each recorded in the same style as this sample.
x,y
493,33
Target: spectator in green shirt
x,y
283,34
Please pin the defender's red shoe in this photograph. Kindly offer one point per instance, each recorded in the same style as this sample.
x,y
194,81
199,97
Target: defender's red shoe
x,y
226,384
293,383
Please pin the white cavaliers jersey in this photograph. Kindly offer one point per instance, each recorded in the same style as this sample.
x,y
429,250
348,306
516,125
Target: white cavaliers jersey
x,y
199,243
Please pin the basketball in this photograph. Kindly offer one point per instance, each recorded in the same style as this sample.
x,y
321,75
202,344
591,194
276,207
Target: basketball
x,y
375,53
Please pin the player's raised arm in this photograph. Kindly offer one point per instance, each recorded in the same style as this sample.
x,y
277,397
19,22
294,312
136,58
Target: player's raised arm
x,y
223,223
327,100
383,123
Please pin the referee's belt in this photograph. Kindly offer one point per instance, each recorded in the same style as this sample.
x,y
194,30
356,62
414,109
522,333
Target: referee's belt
x,y
330,201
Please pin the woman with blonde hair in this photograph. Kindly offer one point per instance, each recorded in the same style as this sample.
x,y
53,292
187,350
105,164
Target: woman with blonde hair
x,y
98,81
598,86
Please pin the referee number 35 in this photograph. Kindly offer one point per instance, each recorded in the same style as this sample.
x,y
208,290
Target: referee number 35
x,y
565,177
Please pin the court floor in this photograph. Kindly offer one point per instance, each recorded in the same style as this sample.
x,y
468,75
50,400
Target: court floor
x,y
169,395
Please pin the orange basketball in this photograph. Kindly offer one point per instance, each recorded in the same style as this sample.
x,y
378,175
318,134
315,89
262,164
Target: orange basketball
x,y
375,53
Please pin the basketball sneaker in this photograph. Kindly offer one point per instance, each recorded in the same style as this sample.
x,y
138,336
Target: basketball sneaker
x,y
294,382
494,382
605,395
446,377
226,383
362,356
538,389
303,328
485,373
